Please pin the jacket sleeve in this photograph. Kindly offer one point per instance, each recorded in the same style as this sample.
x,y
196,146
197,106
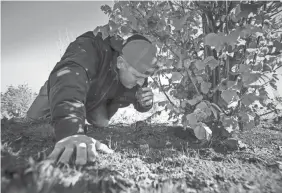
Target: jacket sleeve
x,y
69,83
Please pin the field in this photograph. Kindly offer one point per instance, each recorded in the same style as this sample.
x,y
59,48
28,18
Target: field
x,y
147,158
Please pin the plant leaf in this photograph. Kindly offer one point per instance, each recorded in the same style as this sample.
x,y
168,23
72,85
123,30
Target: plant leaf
x,y
195,100
163,103
211,61
249,99
273,85
214,40
231,38
250,77
192,119
178,23
266,68
199,79
200,65
176,76
125,29
202,132
229,95
214,111
244,68
249,125
230,84
205,87
229,123
277,45
204,108
187,63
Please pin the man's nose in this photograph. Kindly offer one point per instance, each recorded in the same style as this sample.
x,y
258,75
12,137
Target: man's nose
x,y
140,82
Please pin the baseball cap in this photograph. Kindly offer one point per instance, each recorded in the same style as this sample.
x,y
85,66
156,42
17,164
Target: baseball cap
x,y
140,53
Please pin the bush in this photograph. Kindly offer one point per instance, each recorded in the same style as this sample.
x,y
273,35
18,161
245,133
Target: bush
x,y
16,101
218,57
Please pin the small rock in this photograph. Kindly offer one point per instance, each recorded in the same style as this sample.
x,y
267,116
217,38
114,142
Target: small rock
x,y
242,145
234,144
142,142
279,165
167,143
249,185
191,190
144,146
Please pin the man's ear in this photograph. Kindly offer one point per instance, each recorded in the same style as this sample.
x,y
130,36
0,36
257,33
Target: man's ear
x,y
120,63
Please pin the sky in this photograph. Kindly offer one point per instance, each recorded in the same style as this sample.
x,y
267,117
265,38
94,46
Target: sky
x,y
31,33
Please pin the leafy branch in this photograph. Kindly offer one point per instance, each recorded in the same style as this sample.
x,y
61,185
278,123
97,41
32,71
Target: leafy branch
x,y
161,86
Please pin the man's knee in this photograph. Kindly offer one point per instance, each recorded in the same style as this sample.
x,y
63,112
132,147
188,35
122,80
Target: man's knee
x,y
40,106
98,117
98,122
103,123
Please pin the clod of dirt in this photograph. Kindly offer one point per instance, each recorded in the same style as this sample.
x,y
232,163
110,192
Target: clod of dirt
x,y
232,144
185,134
249,185
242,145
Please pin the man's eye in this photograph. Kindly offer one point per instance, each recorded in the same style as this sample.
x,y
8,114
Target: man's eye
x,y
140,78
148,73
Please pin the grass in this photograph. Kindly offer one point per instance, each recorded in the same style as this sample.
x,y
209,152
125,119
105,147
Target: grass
x,y
144,161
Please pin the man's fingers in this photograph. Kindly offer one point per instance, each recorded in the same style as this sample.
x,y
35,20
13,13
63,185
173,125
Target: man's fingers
x,y
65,157
146,89
148,103
92,153
102,147
148,98
139,74
54,155
81,154
147,94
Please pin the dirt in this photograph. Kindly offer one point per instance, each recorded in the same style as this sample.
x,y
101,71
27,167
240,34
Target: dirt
x,y
148,158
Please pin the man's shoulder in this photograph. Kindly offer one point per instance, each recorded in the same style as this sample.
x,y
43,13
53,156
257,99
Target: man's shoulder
x,y
110,42
96,40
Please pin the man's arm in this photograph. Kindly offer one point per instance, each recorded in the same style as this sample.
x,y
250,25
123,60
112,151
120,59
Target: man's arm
x,y
68,87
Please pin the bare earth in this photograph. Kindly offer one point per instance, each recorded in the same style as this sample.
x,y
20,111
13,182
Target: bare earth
x,y
147,159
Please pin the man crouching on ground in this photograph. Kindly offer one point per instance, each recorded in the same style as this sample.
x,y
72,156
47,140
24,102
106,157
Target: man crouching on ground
x,y
94,78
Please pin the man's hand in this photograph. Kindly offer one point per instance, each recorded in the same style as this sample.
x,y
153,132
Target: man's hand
x,y
85,147
145,96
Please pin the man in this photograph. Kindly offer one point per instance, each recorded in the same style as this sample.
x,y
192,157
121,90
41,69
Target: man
x,y
94,78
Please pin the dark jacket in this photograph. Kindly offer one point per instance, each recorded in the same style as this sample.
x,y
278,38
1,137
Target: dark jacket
x,y
85,77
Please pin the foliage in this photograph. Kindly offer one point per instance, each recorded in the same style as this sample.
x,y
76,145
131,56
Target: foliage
x,y
16,101
217,56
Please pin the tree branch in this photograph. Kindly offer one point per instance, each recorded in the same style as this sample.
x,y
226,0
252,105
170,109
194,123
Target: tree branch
x,y
161,86
277,67
194,84
166,44
171,6
268,112
275,13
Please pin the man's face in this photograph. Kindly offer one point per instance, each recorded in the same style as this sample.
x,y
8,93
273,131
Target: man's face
x,y
129,76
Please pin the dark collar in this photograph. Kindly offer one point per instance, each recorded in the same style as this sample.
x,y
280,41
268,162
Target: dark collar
x,y
116,43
